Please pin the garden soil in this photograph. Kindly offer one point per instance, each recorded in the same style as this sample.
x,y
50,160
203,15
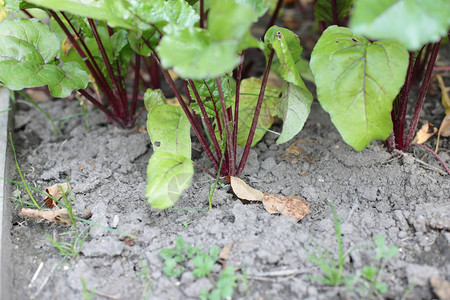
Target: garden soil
x,y
404,198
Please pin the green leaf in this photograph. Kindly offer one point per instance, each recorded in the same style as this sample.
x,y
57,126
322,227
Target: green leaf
x,y
161,12
248,99
357,82
295,104
207,53
259,6
135,38
193,54
381,287
323,10
369,272
209,86
95,9
153,98
28,49
168,175
294,109
413,23
169,130
229,20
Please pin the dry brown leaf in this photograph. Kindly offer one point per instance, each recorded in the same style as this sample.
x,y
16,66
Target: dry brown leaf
x,y
55,192
426,131
445,97
290,206
59,215
244,191
49,215
225,252
440,287
444,130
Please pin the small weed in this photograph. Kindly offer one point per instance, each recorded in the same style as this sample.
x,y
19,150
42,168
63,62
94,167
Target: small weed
x,y
87,295
331,268
185,224
72,248
365,283
176,260
146,280
27,188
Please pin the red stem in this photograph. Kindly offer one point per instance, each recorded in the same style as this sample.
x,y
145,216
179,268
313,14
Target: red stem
x,y
435,155
399,121
256,116
422,94
186,110
226,119
111,75
202,14
219,124
207,120
441,69
137,71
88,52
236,106
100,106
334,12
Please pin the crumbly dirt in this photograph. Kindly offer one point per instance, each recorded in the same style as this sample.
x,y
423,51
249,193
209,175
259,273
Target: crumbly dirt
x,y
374,193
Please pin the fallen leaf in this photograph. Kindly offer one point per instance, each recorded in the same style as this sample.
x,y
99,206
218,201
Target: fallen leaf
x,y
127,240
426,131
49,215
58,215
55,192
290,206
244,191
225,252
444,130
445,97
440,287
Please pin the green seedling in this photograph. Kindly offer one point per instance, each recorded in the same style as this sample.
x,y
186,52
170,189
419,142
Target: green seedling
x,y
176,261
368,282
224,286
323,258
72,248
363,283
27,188
87,295
146,279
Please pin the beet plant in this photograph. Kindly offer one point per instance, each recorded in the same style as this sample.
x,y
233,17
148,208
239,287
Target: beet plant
x,y
204,42
364,74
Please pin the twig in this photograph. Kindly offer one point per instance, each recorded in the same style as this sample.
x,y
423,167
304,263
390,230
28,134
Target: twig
x,y
36,274
435,155
421,162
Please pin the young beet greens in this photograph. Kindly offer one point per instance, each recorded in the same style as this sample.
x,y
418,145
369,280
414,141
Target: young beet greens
x,y
363,74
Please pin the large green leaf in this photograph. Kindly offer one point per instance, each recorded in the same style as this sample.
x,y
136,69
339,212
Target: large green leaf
x,y
161,12
259,6
207,53
323,10
169,130
357,82
193,54
168,175
248,99
28,50
296,101
411,22
95,9
294,109
209,86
